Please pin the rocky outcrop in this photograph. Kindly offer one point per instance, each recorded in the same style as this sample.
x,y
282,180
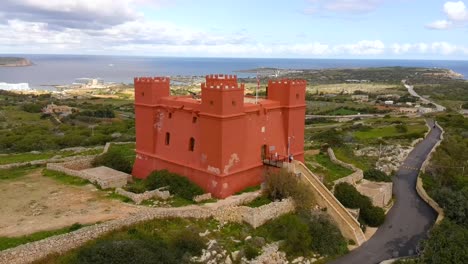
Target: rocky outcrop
x,y
14,62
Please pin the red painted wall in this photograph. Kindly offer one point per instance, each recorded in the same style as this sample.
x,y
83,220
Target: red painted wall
x,y
228,131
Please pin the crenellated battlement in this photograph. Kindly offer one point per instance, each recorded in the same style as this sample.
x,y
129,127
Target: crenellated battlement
x,y
289,82
222,86
213,77
151,80
221,80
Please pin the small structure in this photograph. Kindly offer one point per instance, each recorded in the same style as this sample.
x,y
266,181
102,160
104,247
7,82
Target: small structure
x,y
221,140
380,193
388,102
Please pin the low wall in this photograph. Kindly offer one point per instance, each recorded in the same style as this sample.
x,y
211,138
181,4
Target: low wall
x,y
61,244
333,158
423,194
353,178
43,162
260,215
140,197
348,225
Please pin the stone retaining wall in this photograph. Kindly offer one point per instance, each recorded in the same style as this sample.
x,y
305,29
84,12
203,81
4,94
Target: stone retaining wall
x,y
419,184
260,215
68,167
226,209
140,197
43,162
353,178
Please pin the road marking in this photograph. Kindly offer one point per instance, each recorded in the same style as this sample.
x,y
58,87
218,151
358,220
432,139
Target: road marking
x,y
409,168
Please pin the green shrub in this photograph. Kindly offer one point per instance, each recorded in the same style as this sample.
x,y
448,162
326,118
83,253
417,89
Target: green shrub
x,y
114,160
282,184
125,251
177,184
188,242
351,198
327,239
376,175
372,215
348,195
446,244
251,251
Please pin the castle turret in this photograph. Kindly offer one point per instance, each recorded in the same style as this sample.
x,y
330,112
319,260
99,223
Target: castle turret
x,y
291,95
148,91
222,95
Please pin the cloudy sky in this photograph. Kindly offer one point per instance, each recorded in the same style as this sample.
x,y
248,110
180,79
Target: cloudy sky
x,y
410,29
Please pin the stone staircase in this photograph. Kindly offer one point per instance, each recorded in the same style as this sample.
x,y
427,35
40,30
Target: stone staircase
x,y
348,225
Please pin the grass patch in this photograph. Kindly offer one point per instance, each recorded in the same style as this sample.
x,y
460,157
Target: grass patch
x,y
28,157
259,201
249,189
116,196
329,170
64,178
342,111
25,157
9,174
10,242
414,131
346,154
178,201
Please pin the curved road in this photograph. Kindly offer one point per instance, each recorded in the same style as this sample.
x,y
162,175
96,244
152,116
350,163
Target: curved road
x,y
409,219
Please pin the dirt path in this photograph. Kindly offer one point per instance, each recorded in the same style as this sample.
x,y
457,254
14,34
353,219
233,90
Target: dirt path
x,y
35,203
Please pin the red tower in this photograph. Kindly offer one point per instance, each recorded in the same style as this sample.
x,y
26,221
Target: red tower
x,y
221,140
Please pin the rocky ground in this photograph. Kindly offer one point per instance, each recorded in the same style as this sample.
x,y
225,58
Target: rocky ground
x,y
390,157
37,203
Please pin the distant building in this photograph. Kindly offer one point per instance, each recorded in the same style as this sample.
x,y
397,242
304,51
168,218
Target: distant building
x,y
360,97
407,110
388,102
426,110
14,86
222,140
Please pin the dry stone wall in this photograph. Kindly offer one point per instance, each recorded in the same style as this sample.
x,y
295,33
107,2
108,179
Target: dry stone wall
x,y
227,209
138,198
354,177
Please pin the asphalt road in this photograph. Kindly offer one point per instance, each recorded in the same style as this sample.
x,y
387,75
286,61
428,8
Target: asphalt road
x,y
409,219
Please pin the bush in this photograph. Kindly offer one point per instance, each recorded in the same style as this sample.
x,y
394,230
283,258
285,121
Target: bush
x,y
446,244
376,175
348,195
282,184
177,184
125,251
188,241
114,160
372,215
327,239
351,198
295,232
251,251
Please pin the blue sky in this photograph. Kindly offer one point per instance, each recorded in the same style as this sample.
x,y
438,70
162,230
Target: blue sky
x,y
399,29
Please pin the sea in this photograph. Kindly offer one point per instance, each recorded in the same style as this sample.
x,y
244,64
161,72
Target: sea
x,y
51,70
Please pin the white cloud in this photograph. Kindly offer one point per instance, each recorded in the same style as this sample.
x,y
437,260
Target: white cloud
x,y
439,25
71,13
434,48
457,15
343,6
456,11
363,47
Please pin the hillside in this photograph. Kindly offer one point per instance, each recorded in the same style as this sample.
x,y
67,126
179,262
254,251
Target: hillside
x,y
14,62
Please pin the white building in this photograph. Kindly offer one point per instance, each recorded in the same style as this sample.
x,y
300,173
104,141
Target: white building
x,y
14,86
